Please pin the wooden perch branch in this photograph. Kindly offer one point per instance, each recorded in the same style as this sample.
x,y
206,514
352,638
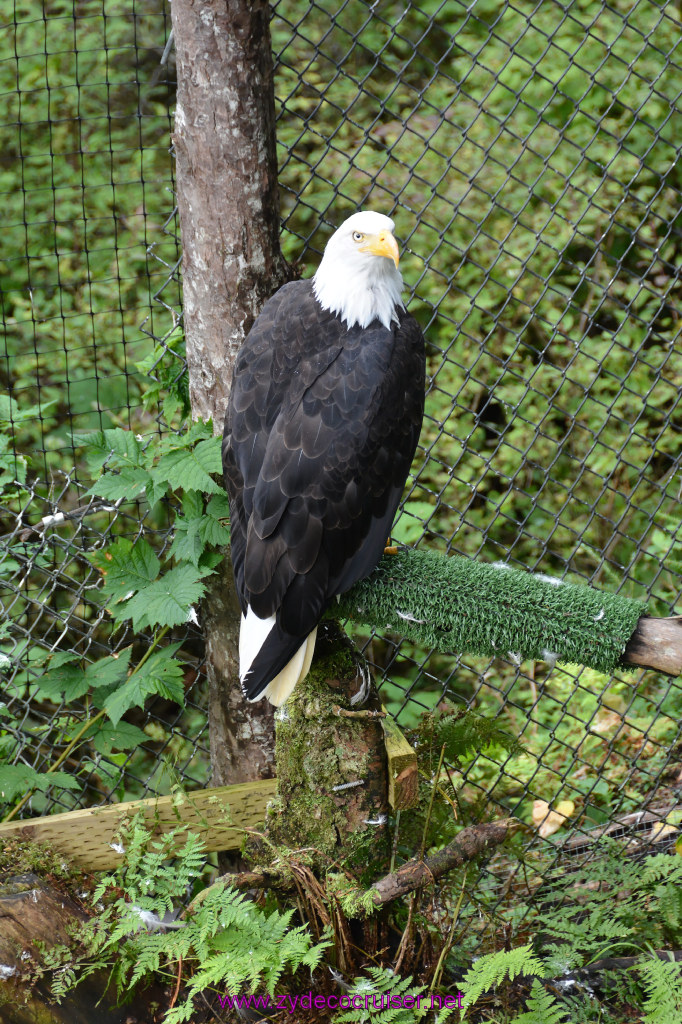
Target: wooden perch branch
x,y
469,843
458,605
657,644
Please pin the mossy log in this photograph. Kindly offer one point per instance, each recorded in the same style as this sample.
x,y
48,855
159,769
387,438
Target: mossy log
x,y
332,781
33,912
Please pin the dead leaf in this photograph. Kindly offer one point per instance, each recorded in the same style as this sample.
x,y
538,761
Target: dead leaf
x,y
549,820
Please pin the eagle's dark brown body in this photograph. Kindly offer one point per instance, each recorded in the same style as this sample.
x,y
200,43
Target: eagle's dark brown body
x,y
320,432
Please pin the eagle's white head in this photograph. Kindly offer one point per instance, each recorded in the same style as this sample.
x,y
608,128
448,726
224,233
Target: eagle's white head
x,y
358,278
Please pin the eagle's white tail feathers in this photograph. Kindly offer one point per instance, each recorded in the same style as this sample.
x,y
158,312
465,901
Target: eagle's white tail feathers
x,y
253,633
281,687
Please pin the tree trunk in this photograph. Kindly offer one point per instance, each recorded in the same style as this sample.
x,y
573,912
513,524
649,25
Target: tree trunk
x,y
332,786
229,218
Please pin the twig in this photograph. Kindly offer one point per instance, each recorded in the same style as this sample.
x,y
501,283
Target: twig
x,y
177,985
427,821
470,842
342,713
448,942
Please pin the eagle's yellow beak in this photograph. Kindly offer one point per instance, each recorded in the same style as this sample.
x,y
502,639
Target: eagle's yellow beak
x,y
382,244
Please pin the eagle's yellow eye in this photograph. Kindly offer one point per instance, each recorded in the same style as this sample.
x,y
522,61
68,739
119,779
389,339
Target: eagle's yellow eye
x,y
358,236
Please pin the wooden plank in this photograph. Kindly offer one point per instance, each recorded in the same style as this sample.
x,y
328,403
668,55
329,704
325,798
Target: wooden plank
x,y
87,837
403,777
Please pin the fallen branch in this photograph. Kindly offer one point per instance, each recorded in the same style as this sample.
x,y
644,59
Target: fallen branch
x,y
619,963
469,843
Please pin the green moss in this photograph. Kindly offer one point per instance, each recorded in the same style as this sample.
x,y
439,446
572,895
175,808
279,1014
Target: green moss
x,y
316,750
19,856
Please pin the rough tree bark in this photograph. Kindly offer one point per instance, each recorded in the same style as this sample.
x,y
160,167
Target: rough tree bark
x,y
229,219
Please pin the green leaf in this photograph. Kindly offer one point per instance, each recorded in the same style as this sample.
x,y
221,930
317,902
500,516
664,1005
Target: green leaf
x,y
492,968
16,779
190,469
542,1007
63,681
11,412
115,447
8,566
110,670
166,601
128,483
215,528
126,568
122,736
188,545
161,674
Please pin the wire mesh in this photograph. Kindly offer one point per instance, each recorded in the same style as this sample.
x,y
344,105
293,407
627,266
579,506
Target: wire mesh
x,y
528,155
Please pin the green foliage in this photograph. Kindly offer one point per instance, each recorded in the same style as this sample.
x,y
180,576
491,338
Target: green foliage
x,y
16,779
162,673
137,587
382,1000
85,176
168,383
226,942
541,1007
460,731
663,986
493,968
630,904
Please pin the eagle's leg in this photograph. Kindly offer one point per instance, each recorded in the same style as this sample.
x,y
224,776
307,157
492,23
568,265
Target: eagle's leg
x,y
390,549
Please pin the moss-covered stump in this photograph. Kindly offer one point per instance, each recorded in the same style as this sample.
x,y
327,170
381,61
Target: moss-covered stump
x,y
331,769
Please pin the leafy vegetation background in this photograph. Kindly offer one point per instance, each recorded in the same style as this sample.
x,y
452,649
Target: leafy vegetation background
x,y
529,156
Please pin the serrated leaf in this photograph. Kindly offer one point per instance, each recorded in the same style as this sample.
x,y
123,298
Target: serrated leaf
x,y
115,447
190,468
187,545
215,528
110,670
64,682
161,674
193,505
126,567
166,601
123,736
16,779
127,483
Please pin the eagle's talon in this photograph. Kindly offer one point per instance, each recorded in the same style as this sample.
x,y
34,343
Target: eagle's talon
x,y
365,675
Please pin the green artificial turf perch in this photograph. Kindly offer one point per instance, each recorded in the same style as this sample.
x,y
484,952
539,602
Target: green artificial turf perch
x,y
458,605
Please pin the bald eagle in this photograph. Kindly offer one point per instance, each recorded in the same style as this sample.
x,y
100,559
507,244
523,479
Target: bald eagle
x,y
322,424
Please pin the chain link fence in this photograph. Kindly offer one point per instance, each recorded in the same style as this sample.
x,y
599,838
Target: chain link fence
x,y
528,155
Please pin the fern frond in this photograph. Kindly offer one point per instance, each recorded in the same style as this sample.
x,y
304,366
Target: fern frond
x,y
493,968
377,992
541,1007
662,981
